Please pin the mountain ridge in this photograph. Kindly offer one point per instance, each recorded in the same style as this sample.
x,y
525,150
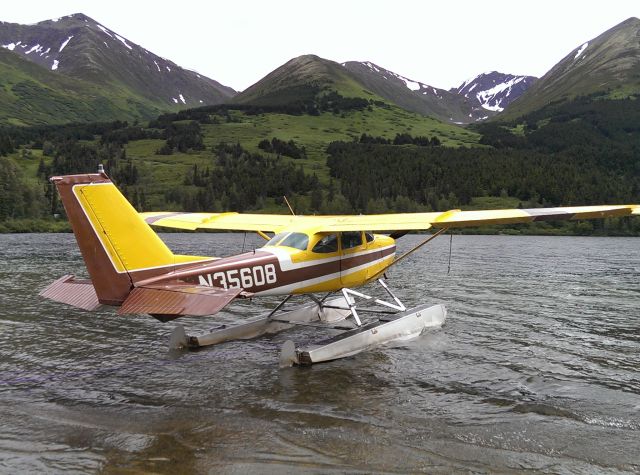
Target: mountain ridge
x,y
608,63
81,48
118,76
492,92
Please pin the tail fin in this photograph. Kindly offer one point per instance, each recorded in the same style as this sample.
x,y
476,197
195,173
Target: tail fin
x,y
118,247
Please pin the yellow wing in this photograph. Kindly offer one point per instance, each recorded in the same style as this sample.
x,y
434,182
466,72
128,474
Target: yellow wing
x,y
380,222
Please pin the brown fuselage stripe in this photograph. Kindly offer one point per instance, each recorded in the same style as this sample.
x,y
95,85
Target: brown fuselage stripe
x,y
190,273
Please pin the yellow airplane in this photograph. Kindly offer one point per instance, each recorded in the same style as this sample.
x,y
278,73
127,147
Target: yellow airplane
x,y
130,267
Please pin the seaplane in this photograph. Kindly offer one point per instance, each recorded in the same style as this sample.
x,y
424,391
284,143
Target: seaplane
x,y
324,258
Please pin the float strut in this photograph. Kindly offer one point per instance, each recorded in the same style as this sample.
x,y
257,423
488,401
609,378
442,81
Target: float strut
x,y
279,306
352,306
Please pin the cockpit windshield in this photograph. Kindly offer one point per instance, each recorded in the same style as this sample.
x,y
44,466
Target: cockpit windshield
x,y
295,240
276,239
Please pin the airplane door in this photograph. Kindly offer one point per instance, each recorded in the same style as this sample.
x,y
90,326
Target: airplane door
x,y
374,254
352,246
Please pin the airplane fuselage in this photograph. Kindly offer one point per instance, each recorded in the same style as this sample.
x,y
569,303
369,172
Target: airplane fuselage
x,y
284,270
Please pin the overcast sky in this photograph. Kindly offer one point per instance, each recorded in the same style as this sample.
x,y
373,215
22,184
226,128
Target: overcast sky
x,y
237,42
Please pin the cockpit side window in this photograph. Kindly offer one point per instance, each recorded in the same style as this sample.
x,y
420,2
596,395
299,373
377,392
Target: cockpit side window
x,y
296,240
328,243
351,239
369,236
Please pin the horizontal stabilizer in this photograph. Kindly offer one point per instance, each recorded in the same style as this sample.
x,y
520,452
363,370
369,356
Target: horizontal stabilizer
x,y
178,299
78,293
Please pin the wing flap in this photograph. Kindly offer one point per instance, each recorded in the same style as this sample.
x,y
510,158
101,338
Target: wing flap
x,y
71,291
178,299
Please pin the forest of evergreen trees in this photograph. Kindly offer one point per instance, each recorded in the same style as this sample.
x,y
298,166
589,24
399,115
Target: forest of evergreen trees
x,y
238,180
280,147
581,152
72,149
442,178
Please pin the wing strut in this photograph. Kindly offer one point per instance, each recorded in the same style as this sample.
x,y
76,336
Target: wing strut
x,y
411,251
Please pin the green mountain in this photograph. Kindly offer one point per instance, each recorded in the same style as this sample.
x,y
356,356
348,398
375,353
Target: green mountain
x,y
116,73
330,103
32,95
302,80
306,81
609,64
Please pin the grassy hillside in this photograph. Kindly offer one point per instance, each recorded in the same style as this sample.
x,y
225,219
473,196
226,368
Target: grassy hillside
x,y
608,65
30,95
312,132
75,69
158,173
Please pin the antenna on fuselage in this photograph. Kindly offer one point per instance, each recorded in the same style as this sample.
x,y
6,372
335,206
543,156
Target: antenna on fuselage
x,y
450,246
290,208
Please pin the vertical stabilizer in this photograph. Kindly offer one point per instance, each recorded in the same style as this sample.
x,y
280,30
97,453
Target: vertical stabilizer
x,y
118,247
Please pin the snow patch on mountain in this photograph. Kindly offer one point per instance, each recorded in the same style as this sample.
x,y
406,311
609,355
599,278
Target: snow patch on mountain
x,y
581,50
124,42
104,30
65,43
372,66
466,83
159,70
54,66
493,90
490,100
411,84
37,48
182,98
10,46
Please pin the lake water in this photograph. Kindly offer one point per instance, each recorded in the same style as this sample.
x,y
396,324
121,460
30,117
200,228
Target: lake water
x,y
536,369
